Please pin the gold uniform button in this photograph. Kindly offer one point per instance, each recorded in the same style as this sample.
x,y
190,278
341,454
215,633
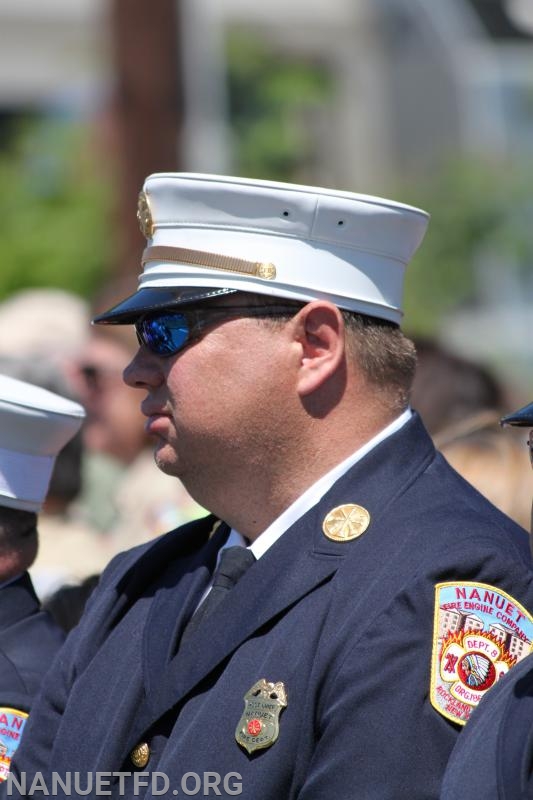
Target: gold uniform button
x,y
345,523
140,755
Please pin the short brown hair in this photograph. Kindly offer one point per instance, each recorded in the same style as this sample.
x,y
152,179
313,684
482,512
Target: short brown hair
x,y
381,350
385,355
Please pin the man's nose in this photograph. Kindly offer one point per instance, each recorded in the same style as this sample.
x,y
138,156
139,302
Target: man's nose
x,y
143,370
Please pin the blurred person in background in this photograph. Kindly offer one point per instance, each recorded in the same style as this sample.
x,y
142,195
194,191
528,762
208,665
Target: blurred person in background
x,y
35,425
124,496
43,323
41,332
461,403
70,550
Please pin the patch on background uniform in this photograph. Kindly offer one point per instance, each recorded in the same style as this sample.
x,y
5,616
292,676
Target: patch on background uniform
x,y
479,633
12,723
258,726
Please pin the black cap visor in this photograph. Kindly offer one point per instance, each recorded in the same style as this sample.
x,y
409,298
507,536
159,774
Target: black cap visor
x,y
522,418
152,299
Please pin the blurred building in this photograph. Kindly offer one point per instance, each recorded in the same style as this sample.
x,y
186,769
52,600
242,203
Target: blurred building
x,y
415,80
413,83
51,54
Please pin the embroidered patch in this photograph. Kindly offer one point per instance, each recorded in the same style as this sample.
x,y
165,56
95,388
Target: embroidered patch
x,y
479,633
12,722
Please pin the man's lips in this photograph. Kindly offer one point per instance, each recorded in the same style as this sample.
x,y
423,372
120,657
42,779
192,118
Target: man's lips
x,y
156,420
156,424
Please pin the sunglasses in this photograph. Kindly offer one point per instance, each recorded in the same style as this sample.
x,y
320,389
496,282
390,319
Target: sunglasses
x,y
166,333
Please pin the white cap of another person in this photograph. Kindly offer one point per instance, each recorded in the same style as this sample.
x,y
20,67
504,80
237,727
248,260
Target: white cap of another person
x,y
35,425
209,235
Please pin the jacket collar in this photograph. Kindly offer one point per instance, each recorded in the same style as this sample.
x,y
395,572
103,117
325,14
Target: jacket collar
x,y
18,601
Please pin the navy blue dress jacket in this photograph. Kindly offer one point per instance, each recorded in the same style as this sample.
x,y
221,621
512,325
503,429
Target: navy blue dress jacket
x,y
498,741
346,627
29,641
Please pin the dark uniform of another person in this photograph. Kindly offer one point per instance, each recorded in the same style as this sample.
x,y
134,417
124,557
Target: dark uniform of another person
x,y
34,425
494,757
365,598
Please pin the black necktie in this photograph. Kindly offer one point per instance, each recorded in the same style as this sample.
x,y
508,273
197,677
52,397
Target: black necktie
x,y
233,563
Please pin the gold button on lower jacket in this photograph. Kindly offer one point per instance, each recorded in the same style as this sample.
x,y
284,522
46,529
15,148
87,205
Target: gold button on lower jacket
x,y
140,755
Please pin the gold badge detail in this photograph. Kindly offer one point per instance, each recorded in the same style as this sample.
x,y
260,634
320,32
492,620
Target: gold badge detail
x,y
258,726
140,755
345,523
266,271
144,215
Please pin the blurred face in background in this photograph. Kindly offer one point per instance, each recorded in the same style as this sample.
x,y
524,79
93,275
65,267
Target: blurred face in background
x,y
114,424
18,541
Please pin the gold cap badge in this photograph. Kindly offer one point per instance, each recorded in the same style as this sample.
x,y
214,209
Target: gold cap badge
x,y
140,755
345,523
144,215
258,726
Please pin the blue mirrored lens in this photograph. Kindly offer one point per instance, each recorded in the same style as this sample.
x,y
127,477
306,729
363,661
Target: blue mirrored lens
x,y
165,335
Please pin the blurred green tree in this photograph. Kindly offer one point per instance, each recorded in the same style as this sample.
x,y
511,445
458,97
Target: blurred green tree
x,y
481,224
273,100
481,211
54,213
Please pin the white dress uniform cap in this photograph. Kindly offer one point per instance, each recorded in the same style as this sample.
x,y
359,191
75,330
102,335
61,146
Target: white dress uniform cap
x,y
35,425
210,234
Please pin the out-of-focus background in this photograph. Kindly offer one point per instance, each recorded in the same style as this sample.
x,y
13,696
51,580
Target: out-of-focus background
x,y
426,101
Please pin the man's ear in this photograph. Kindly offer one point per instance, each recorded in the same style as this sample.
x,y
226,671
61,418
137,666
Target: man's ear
x,y
320,334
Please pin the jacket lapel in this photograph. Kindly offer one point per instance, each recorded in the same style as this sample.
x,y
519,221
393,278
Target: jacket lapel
x,y
287,572
175,601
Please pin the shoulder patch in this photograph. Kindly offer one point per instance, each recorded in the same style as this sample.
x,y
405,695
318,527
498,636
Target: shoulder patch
x,y
12,722
479,633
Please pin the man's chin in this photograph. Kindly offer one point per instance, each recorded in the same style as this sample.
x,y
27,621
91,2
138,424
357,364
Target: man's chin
x,y
165,461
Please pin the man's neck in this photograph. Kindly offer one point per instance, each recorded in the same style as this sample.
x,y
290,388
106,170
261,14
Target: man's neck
x,y
250,505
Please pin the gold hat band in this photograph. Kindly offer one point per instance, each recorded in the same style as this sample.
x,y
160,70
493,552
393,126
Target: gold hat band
x,y
200,258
